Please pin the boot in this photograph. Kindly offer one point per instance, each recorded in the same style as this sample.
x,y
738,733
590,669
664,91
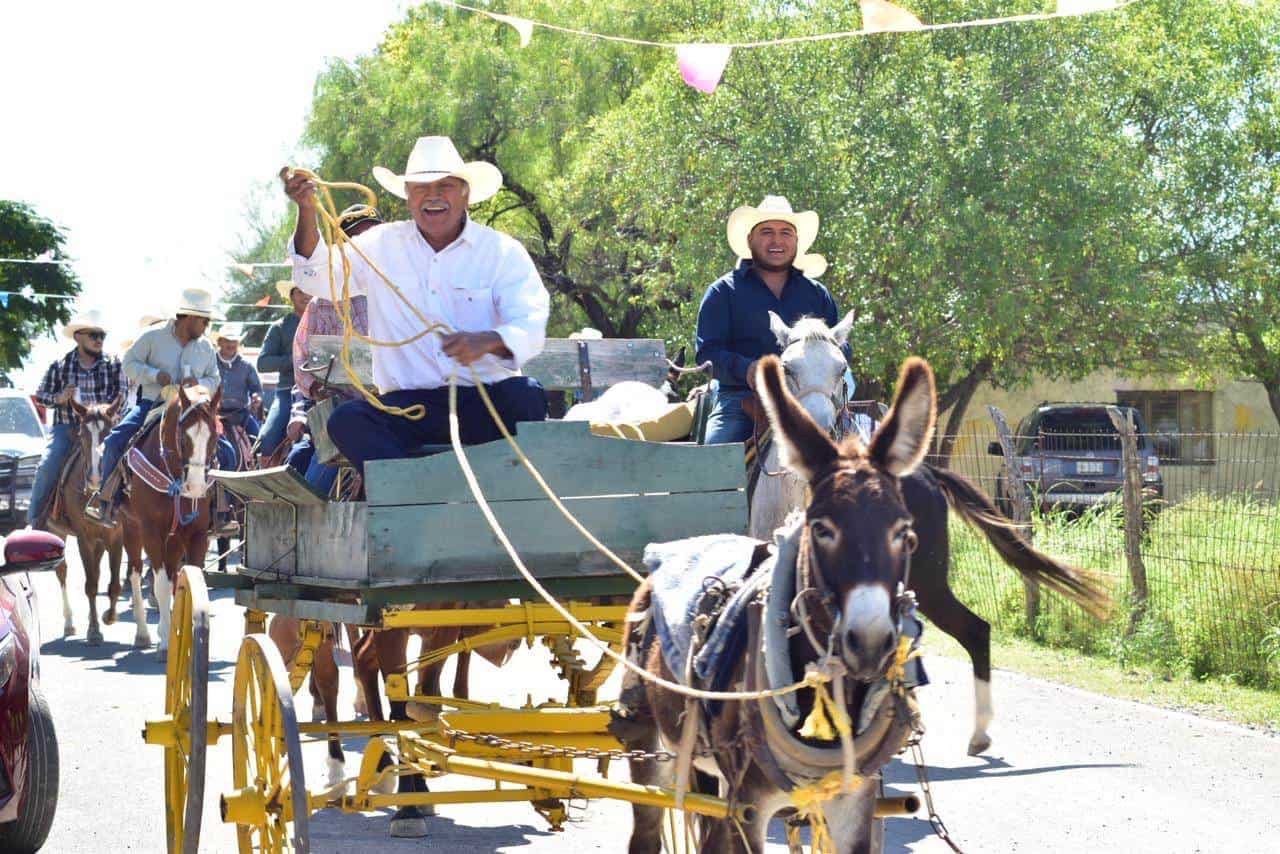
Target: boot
x,y
102,511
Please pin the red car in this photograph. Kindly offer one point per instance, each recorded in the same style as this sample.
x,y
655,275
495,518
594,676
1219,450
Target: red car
x,y
28,745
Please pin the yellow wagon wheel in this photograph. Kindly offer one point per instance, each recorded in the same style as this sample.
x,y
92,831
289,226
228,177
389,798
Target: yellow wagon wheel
x,y
186,705
269,806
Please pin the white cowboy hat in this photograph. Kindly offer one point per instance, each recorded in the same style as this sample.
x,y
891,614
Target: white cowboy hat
x,y
745,218
435,157
197,302
229,332
149,320
91,319
285,289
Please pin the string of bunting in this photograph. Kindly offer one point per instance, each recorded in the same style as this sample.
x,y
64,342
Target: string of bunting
x,y
702,65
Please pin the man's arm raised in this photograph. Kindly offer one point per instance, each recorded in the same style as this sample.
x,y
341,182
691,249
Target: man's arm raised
x,y
301,190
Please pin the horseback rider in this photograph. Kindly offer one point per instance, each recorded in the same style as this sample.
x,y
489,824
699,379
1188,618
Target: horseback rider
x,y
775,272
84,373
241,389
480,282
175,352
277,355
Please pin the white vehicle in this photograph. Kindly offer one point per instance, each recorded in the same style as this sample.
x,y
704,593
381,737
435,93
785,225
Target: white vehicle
x,y
22,444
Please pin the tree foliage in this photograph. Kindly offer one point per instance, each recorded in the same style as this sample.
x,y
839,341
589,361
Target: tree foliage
x,y
26,234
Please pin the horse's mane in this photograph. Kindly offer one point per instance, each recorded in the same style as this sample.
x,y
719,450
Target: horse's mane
x,y
812,329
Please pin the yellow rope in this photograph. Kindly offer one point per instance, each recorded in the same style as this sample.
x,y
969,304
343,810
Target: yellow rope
x,y
808,801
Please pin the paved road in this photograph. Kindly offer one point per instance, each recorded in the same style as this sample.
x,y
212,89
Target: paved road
x,y
1069,772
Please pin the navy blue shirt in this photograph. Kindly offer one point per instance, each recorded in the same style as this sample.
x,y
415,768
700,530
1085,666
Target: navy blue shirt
x,y
733,320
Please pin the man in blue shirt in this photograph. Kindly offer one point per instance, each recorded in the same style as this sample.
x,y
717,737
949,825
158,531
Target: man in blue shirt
x,y
775,273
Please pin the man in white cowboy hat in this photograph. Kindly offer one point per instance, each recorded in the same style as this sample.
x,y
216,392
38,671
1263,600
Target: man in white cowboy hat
x,y
479,282
276,356
86,374
241,390
775,273
175,352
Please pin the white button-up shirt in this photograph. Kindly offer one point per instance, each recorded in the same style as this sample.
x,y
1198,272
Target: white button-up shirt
x,y
483,281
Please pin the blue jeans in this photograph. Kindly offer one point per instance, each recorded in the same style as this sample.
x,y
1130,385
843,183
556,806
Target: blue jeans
x,y
321,476
228,457
727,422
277,420
300,455
55,454
113,446
363,433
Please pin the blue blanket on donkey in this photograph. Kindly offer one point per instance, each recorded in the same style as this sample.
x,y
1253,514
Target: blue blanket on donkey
x,y
684,573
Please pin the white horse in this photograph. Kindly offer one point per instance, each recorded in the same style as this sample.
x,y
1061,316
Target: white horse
x,y
814,364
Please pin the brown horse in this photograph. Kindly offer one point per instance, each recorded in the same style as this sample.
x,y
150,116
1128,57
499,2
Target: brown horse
x,y
80,480
854,554
166,505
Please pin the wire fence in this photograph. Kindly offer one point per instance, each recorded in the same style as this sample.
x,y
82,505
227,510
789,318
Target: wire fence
x,y
1193,555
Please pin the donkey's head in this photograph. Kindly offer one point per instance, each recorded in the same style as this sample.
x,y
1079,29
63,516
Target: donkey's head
x,y
671,385
858,539
814,363
188,438
93,423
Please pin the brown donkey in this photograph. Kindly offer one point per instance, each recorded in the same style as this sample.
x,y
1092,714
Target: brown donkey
x,y
166,505
80,480
854,551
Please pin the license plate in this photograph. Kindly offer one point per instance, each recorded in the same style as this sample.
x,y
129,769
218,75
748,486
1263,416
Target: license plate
x,y
1089,468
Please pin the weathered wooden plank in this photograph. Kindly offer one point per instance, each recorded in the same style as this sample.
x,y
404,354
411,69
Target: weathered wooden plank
x,y
270,536
612,360
453,542
281,483
309,609
332,540
573,461
217,580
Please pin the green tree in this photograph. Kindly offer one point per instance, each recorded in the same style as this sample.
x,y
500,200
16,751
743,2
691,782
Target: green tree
x,y
1200,89
26,234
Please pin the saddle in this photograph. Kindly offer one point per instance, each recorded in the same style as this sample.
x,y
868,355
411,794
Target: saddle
x,y
58,509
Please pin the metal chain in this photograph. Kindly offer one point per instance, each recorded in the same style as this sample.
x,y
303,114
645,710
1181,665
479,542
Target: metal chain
x,y
935,820
551,751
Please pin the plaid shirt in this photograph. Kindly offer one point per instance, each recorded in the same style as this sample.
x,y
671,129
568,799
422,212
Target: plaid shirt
x,y
102,383
321,318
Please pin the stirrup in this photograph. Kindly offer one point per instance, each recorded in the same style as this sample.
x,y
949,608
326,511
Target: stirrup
x,y
100,511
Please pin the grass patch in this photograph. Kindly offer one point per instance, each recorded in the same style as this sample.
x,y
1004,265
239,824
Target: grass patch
x,y
1211,697
1213,571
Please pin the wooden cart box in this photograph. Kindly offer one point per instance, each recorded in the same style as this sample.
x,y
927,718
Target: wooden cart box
x,y
420,523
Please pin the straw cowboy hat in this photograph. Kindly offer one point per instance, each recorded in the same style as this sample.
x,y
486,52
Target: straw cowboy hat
x,y
91,319
149,320
229,332
433,158
197,302
285,289
745,218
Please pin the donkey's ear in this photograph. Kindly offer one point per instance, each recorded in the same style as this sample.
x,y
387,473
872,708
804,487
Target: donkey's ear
x,y
115,405
780,330
182,398
907,431
78,408
680,356
217,400
842,329
803,446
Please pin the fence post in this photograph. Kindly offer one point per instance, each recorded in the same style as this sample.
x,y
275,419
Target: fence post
x,y
1132,510
1019,504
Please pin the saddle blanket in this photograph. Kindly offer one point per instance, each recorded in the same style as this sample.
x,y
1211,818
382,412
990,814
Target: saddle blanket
x,y
702,575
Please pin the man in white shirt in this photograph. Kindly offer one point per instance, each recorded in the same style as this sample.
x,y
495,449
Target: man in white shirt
x,y
478,281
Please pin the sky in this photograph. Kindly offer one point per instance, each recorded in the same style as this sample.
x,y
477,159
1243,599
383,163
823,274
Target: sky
x,y
143,127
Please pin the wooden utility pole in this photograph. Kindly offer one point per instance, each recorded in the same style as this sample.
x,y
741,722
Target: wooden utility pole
x,y
1132,468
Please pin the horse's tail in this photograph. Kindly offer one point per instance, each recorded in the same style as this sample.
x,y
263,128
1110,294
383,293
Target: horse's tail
x,y
1085,587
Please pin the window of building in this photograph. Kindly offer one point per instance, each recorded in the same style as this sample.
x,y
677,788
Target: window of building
x,y
1180,423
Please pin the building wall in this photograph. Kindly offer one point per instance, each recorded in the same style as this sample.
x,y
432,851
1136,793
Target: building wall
x,y
1246,447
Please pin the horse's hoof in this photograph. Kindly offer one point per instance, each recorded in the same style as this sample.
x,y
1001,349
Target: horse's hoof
x,y
69,630
141,641
94,636
409,823
337,772
108,618
979,744
422,712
